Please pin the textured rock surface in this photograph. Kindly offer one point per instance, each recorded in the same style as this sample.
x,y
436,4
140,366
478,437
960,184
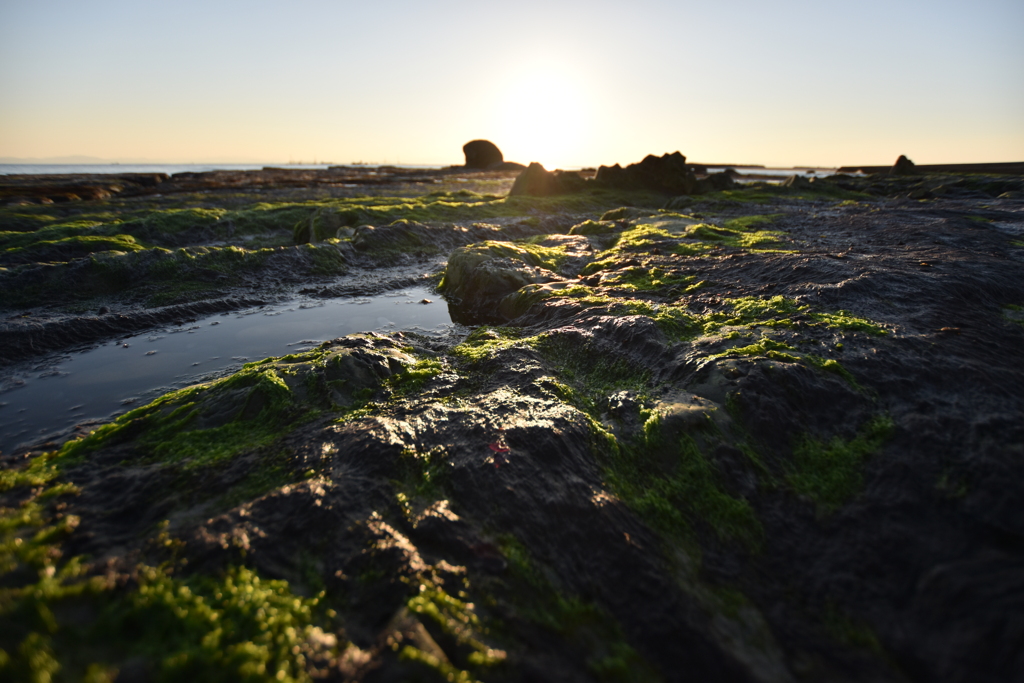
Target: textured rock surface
x,y
775,438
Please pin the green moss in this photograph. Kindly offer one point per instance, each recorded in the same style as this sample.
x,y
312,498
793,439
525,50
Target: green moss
x,y
583,626
592,375
834,366
485,341
778,311
1014,313
843,320
746,223
458,621
423,474
651,279
164,276
206,628
674,487
673,234
853,633
69,248
169,429
549,258
763,347
26,218
233,627
829,473
671,492
412,379
767,193
208,424
602,227
771,312
759,194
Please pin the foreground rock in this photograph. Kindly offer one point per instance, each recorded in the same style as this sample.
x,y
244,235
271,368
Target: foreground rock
x,y
750,442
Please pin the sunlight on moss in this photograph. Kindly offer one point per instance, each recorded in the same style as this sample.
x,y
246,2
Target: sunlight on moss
x,y
829,473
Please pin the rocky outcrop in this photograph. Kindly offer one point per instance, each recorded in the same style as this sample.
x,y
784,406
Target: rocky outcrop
x,y
903,166
798,182
482,154
536,181
480,277
716,182
667,173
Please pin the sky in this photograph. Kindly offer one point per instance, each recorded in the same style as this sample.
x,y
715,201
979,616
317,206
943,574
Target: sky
x,y
567,84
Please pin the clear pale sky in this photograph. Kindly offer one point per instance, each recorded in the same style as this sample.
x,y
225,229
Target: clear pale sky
x,y
564,83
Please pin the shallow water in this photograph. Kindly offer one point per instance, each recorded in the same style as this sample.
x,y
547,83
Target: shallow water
x,y
47,399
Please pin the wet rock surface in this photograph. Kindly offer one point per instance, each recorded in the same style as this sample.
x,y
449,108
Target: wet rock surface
x,y
768,434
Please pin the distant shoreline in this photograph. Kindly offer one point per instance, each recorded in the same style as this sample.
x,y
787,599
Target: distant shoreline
x,y
1010,167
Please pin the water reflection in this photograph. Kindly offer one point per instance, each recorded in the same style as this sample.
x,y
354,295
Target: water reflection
x,y
49,397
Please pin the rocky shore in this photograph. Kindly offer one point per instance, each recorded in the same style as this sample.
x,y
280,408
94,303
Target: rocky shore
x,y
698,431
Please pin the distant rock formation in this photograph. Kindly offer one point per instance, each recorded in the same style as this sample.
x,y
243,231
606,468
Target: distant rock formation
x,y
903,166
715,182
536,181
798,182
482,154
667,173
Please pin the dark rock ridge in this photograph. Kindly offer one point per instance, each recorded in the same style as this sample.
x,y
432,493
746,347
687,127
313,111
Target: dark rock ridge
x,y
668,174
770,435
47,189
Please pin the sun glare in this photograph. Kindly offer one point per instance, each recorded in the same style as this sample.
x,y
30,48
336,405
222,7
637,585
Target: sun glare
x,y
544,115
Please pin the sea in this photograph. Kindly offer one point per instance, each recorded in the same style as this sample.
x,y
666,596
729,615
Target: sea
x,y
171,169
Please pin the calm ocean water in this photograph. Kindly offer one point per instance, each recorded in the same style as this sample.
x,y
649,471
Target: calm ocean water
x,y
170,169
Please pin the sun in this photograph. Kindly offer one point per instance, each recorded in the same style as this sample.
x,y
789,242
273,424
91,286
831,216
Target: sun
x,y
544,114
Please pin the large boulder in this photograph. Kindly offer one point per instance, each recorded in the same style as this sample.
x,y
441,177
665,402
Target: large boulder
x,y
667,173
479,276
536,181
482,154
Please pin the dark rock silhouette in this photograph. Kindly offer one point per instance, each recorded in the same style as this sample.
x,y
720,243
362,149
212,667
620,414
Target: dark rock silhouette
x,y
798,182
482,154
667,173
537,181
715,182
903,166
